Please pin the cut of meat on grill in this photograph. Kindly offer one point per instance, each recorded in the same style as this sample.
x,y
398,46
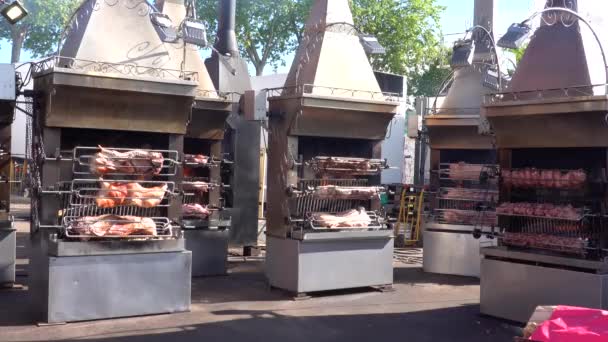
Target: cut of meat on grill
x,y
197,186
356,218
135,162
346,193
196,159
113,226
342,165
565,212
549,179
545,241
142,197
468,194
195,210
465,217
464,171
113,194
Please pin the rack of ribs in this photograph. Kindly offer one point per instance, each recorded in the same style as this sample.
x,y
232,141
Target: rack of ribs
x,y
113,226
113,194
134,162
355,218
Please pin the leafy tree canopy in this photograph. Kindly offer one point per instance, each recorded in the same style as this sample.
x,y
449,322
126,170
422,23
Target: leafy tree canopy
x,y
40,31
268,30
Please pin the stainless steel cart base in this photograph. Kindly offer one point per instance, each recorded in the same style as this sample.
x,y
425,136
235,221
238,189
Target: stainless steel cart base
x,y
453,252
8,245
330,261
209,249
513,288
79,288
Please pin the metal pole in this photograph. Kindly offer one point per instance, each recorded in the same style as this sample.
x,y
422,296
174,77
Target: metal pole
x,y
494,47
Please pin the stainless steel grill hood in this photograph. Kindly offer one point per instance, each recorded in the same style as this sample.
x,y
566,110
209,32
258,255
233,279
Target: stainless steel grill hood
x,y
112,59
331,83
554,99
454,125
559,56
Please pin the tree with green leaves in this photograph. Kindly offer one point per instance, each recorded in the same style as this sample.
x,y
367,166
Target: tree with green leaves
x,y
40,31
430,82
408,29
267,29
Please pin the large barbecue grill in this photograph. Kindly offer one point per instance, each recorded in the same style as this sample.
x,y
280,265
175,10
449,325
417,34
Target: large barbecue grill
x,y
326,229
464,187
110,116
550,134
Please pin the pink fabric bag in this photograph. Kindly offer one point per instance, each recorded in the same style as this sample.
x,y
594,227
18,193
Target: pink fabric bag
x,y
573,324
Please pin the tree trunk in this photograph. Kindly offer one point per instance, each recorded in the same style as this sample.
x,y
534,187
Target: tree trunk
x,y
18,37
259,68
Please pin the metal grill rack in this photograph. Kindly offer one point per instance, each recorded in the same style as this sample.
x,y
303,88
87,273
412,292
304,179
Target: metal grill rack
x,y
347,166
79,197
305,202
85,192
163,226
467,194
218,217
84,156
210,161
581,236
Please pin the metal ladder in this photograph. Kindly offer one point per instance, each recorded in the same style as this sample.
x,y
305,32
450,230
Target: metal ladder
x,y
410,212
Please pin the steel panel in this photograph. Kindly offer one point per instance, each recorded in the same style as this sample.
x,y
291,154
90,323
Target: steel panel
x,y
245,180
110,247
513,290
453,253
310,266
506,253
8,246
111,286
209,249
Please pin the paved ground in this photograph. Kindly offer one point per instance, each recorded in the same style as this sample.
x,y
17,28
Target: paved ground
x,y
239,307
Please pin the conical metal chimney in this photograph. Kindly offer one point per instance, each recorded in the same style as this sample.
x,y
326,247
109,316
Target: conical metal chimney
x,y
330,54
455,124
467,90
557,96
561,54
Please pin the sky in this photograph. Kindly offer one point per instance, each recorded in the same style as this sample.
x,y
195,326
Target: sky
x,y
457,17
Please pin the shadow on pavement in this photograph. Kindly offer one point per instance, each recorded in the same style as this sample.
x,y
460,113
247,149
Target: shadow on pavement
x,y
451,324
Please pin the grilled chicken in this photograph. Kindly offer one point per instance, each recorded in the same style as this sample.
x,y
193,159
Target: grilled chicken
x,y
135,162
114,225
145,197
111,195
115,194
356,218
